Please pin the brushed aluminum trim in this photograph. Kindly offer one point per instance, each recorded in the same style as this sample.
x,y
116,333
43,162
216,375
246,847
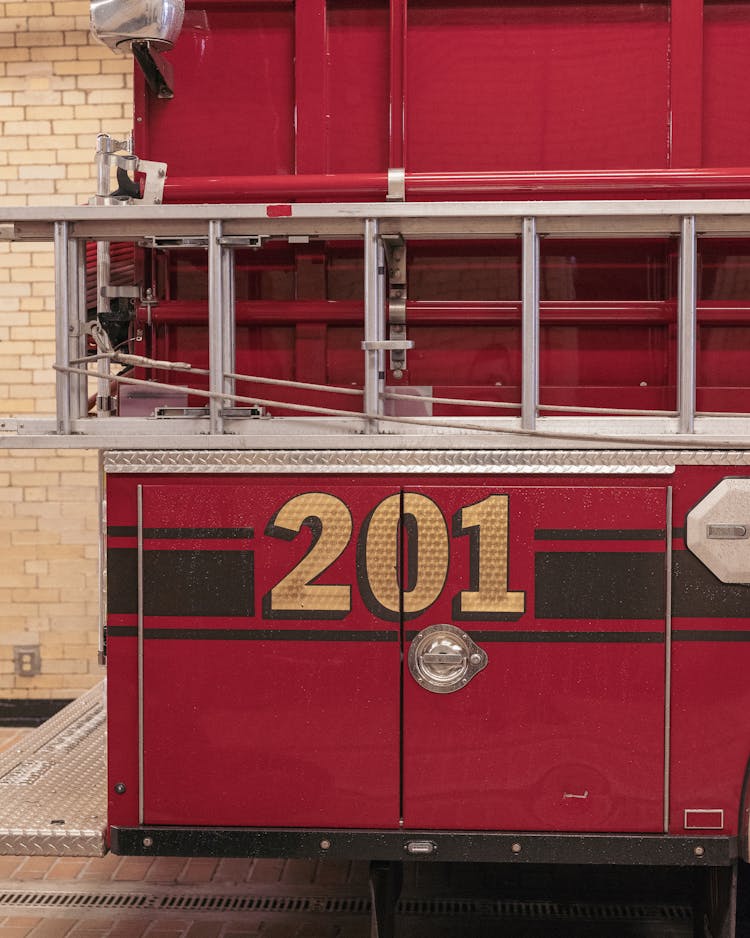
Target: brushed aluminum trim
x,y
668,658
486,462
141,800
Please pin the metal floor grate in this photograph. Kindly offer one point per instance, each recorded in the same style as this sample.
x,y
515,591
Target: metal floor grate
x,y
351,905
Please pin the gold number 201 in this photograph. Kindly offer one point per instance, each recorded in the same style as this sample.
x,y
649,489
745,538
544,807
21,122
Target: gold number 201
x,y
403,557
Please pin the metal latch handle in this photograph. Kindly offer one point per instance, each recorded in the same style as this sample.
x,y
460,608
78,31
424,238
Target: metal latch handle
x,y
727,532
387,345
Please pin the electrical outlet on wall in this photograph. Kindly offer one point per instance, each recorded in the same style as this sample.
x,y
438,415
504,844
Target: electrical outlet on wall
x,y
27,660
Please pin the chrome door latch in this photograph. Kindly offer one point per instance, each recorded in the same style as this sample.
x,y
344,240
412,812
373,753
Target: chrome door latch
x,y
443,659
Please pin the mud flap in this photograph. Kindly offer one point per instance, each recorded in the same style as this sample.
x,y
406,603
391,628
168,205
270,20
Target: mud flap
x,y
715,911
386,879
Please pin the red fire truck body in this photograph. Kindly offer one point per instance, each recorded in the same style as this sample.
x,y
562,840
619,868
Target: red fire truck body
x,y
480,607
278,613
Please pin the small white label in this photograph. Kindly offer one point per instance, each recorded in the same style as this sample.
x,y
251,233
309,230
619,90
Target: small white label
x,y
706,819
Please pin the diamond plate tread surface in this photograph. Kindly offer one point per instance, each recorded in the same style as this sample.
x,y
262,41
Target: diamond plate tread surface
x,y
53,785
427,461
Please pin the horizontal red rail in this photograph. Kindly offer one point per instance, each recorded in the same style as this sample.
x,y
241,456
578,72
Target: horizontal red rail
x,y
433,313
344,187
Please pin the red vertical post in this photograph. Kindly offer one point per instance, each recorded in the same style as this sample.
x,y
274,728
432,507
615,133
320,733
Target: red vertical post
x,y
686,84
398,84
311,90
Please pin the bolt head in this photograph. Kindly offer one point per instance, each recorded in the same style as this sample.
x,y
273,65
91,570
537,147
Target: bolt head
x,y
148,841
325,844
120,788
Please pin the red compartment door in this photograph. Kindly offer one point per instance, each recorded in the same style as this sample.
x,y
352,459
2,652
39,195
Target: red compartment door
x,y
564,588
270,693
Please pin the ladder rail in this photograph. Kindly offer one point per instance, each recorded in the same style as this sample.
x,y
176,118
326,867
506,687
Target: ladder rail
x,y
221,229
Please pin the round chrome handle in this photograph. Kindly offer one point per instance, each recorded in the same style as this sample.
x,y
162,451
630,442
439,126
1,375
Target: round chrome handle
x,y
443,658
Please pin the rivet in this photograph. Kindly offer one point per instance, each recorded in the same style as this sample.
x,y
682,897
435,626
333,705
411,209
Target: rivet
x,y
148,842
120,788
699,851
516,848
325,844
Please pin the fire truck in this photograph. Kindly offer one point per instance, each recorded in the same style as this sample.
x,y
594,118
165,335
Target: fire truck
x,y
415,337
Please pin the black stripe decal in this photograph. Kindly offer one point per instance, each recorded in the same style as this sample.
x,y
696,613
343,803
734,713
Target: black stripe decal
x,y
600,585
558,637
341,635
698,594
175,534
122,530
600,534
257,635
122,581
181,582
711,635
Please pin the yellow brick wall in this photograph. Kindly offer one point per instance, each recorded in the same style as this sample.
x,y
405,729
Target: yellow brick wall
x,y
58,89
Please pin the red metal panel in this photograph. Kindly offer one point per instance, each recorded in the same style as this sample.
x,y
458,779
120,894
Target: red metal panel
x,y
310,84
234,90
686,82
122,671
709,748
541,85
398,82
726,82
122,724
274,729
564,735
357,92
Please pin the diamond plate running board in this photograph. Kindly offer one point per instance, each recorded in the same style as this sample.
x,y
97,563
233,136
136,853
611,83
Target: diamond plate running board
x,y
53,791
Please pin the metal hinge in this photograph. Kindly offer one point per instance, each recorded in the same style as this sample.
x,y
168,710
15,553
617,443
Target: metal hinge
x,y
395,253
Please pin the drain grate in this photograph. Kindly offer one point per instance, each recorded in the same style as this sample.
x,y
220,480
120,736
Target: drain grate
x,y
182,903
346,905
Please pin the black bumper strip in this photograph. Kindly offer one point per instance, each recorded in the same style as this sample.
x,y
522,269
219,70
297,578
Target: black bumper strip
x,y
474,846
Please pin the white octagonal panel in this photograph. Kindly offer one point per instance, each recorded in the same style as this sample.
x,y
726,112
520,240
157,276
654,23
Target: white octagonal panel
x,y
718,531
